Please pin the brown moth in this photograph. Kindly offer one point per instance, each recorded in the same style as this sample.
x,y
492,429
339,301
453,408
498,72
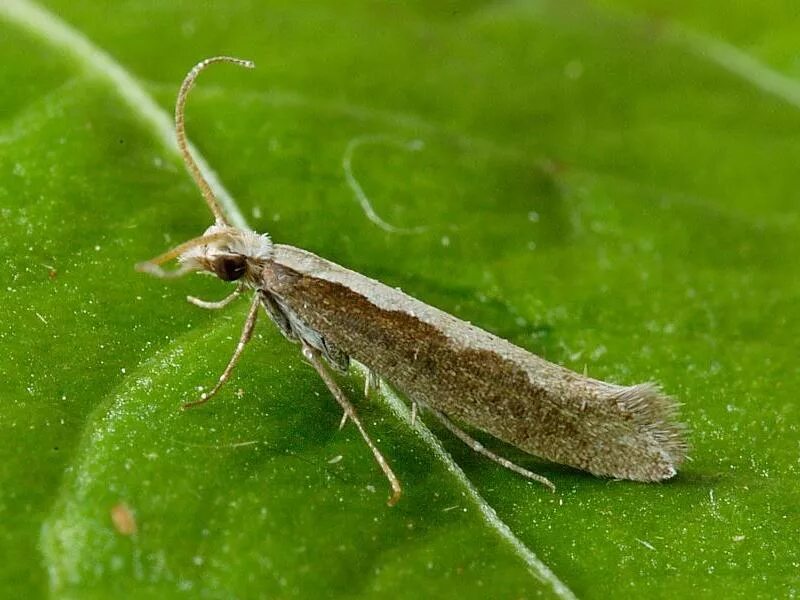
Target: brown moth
x,y
450,368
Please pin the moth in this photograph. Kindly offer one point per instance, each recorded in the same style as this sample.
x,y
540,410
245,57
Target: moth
x,y
449,368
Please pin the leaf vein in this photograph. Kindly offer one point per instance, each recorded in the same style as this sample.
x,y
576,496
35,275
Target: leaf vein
x,y
55,32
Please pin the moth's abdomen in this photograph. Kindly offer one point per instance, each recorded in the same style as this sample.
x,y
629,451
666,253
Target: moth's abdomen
x,y
433,358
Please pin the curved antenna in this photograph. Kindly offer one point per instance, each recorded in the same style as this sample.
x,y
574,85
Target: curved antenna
x,y
180,130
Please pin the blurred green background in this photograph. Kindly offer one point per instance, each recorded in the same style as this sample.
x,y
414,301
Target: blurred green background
x,y
609,184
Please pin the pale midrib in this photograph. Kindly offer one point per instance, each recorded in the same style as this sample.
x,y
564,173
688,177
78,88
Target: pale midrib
x,y
57,33
535,566
737,62
717,51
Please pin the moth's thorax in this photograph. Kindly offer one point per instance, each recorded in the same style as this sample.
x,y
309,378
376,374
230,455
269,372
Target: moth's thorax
x,y
233,254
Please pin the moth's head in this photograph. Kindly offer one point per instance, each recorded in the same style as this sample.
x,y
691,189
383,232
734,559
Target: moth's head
x,y
229,253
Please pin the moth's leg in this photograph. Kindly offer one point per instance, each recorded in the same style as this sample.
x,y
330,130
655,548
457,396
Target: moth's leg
x,y
247,333
480,449
371,382
374,380
413,413
314,358
157,271
219,304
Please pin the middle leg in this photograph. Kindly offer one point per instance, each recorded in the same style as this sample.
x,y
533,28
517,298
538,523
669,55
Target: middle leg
x,y
314,358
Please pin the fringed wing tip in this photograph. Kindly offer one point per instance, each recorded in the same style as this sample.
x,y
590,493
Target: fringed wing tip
x,y
656,415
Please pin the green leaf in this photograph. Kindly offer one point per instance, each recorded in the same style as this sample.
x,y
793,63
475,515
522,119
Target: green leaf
x,y
609,189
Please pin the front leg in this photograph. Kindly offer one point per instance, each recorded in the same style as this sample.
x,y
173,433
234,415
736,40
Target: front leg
x,y
247,333
220,303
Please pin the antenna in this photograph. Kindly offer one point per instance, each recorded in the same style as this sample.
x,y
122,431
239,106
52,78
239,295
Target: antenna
x,y
180,130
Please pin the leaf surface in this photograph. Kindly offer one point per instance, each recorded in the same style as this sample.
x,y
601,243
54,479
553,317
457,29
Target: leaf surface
x,y
581,179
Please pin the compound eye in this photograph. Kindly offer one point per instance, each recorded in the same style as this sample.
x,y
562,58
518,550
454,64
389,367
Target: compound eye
x,y
230,268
